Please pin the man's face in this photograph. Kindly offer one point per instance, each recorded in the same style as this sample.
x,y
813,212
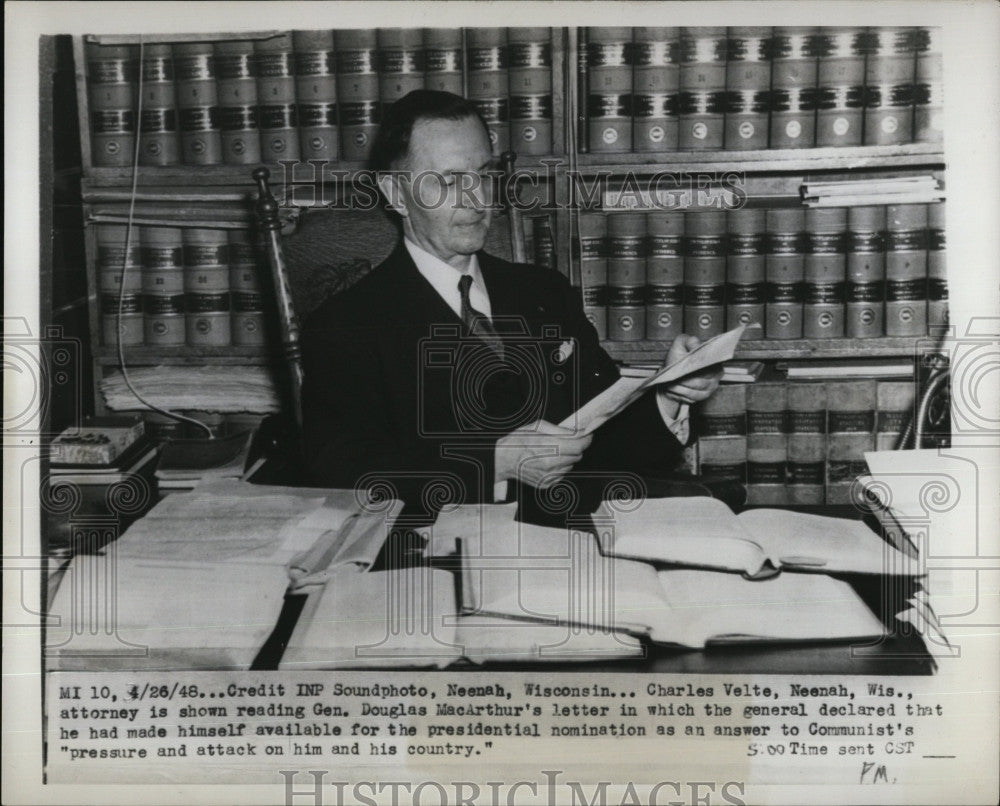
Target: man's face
x,y
444,212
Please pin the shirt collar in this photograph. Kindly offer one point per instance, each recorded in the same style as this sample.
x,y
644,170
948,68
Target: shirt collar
x,y
444,279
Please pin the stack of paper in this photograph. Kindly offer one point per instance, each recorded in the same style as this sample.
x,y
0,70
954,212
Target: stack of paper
x,y
215,388
200,581
858,368
884,190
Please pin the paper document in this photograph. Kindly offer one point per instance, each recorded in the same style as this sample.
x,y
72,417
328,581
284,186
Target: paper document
x,y
624,392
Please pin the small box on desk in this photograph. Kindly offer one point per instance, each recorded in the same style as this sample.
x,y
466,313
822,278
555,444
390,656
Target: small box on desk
x,y
97,441
116,494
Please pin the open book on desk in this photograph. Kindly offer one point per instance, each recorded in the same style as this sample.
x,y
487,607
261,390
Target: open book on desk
x,y
703,532
410,618
559,576
199,582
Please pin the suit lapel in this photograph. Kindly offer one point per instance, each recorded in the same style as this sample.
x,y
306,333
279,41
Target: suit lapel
x,y
513,309
420,303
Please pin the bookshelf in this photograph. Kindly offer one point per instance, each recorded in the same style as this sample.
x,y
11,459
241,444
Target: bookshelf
x,y
221,196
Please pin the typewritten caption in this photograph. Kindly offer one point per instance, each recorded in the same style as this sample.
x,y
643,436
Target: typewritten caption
x,y
862,731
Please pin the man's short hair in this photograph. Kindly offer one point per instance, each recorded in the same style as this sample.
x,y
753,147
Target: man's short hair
x,y
393,140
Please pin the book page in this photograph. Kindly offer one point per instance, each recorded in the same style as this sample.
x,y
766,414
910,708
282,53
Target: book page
x,y
223,521
832,545
559,576
399,618
697,530
490,639
169,615
712,606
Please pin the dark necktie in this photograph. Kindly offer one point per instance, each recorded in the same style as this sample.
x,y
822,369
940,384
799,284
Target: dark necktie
x,y
478,324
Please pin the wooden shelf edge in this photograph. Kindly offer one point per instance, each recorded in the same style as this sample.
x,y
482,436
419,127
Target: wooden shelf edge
x,y
135,39
238,177
803,159
770,349
209,356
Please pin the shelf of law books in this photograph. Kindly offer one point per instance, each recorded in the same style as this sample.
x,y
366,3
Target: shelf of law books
x,y
801,440
220,103
787,177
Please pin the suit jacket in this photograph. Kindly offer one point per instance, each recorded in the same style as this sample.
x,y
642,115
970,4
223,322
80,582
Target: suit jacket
x,y
396,392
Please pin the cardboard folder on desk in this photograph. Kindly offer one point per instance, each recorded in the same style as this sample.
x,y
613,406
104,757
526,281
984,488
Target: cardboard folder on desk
x,y
200,581
559,576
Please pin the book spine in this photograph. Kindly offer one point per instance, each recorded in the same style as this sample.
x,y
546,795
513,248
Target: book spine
x,y
162,285
316,94
928,93
906,270
748,85
702,101
656,78
895,409
722,424
111,80
529,54
277,113
609,89
704,273
489,82
626,277
745,269
806,443
724,414
112,264
158,140
443,60
245,287
723,457
206,288
937,269
594,269
400,63
767,443
865,294
793,87
237,82
784,268
197,103
889,79
357,91
841,86
664,274
543,242
582,91
825,273
851,407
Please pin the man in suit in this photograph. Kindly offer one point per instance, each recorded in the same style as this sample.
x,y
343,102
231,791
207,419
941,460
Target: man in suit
x,y
444,371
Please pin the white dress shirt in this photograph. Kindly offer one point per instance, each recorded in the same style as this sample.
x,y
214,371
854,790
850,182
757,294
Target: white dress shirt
x,y
444,279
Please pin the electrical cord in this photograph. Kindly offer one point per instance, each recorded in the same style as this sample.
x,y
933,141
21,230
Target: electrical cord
x,y
129,228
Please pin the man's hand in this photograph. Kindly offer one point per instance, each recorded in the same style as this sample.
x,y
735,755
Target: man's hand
x,y
691,388
539,454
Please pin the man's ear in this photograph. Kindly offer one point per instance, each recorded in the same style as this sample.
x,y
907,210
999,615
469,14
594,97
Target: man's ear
x,y
391,185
